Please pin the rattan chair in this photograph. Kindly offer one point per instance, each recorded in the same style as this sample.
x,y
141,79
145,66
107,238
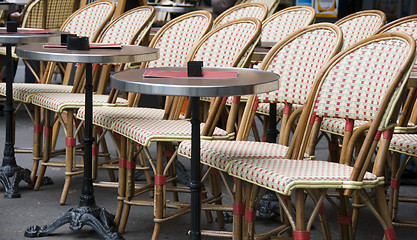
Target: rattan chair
x,y
337,94
271,4
123,30
255,10
236,35
295,50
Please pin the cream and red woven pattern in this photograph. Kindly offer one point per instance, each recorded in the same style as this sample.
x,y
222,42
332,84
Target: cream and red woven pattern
x,y
57,12
355,86
86,22
145,131
407,27
404,143
177,41
263,108
224,47
298,64
124,30
57,102
283,175
337,125
24,91
359,28
283,24
269,3
219,154
255,11
106,116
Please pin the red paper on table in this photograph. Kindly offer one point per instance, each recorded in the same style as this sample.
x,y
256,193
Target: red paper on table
x,y
92,45
184,74
29,31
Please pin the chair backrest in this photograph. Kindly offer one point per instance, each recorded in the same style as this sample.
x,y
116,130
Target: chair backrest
x,y
271,4
51,15
90,20
255,10
360,25
177,37
364,82
278,26
225,45
129,27
298,60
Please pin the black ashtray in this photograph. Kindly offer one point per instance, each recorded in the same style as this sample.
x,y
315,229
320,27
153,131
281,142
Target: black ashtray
x,y
11,26
194,68
78,43
64,38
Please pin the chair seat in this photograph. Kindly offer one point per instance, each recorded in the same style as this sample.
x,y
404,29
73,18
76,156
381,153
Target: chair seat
x,y
57,102
219,154
24,91
337,125
145,131
106,116
284,175
404,143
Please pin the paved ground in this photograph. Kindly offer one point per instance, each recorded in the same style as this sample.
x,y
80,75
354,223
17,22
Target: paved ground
x,y
41,207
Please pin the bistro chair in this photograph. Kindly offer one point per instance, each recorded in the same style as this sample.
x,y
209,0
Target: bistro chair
x,y
255,10
295,50
336,94
271,4
173,50
130,24
237,35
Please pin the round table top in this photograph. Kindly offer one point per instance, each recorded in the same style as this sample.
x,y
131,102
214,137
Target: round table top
x,y
128,53
248,81
28,37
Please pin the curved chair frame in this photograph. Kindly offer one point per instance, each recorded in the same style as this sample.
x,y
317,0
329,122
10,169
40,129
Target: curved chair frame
x,y
228,12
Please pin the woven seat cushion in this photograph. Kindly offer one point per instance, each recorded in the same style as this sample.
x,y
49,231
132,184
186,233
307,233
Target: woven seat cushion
x,y
106,116
57,102
24,91
283,175
404,143
145,131
219,154
337,125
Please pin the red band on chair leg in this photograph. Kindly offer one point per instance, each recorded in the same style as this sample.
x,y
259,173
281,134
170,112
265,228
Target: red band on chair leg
x,y
130,165
390,234
70,142
388,134
168,153
99,130
214,171
47,132
318,119
349,125
122,162
250,215
116,136
333,146
322,209
344,220
95,150
286,198
160,179
377,135
395,184
236,99
263,139
224,100
287,109
238,208
312,118
96,67
256,104
37,128
301,235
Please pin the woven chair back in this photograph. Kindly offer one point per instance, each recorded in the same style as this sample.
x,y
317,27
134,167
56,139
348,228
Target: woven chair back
x,y
271,4
278,26
225,45
51,16
177,37
90,20
360,25
255,10
299,59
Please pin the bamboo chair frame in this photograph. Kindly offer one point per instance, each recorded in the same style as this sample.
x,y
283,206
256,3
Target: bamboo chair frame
x,y
226,14
271,4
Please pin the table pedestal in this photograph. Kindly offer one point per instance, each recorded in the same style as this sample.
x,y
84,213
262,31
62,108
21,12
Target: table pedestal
x,y
195,182
10,169
87,212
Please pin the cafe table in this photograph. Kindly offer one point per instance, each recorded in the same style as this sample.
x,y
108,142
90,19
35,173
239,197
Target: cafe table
x,y
176,83
10,173
87,212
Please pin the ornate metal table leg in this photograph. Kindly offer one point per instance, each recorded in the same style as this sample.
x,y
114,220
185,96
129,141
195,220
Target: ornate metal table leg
x,y
87,212
9,168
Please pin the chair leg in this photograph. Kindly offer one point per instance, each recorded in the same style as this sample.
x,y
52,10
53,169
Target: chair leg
x,y
122,181
395,186
37,142
250,211
216,191
300,231
238,210
46,149
69,156
159,190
